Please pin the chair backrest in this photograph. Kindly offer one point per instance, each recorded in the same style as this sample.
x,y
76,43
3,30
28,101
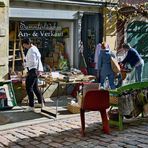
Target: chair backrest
x,y
96,100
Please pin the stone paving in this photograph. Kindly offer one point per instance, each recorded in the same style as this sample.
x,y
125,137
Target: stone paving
x,y
65,133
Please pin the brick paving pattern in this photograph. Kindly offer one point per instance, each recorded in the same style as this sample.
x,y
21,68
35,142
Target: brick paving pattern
x,y
65,133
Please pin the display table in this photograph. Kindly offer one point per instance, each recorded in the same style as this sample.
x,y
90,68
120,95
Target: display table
x,y
130,101
61,79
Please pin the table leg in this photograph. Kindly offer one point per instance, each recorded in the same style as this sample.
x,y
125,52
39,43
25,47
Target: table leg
x,y
44,108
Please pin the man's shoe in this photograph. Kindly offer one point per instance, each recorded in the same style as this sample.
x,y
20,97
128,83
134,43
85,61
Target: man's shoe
x,y
29,109
37,105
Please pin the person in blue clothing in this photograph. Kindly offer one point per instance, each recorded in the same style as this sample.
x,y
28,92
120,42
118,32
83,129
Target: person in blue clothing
x,y
104,66
134,59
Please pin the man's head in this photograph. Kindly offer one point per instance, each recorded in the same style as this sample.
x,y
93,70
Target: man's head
x,y
126,46
103,45
26,43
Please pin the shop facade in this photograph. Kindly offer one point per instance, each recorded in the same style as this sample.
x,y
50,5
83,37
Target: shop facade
x,y
54,26
58,27
51,37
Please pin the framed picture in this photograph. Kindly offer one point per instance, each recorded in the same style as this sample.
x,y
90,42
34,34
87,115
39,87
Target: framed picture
x,y
65,32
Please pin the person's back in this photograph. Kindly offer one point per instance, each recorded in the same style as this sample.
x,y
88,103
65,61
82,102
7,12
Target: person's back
x,y
104,66
132,58
97,52
34,58
105,62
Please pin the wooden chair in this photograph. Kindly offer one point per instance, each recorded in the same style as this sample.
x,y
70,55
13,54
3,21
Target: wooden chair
x,y
95,100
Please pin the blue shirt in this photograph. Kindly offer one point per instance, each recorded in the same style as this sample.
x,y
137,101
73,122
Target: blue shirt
x,y
104,62
132,57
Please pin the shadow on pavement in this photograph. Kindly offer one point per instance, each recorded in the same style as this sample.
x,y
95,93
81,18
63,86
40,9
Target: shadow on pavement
x,y
19,116
66,134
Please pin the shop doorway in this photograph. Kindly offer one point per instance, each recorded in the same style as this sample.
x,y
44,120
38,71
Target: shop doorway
x,y
92,34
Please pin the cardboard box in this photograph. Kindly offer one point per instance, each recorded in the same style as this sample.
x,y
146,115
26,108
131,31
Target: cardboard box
x,y
46,60
55,65
51,59
55,57
57,50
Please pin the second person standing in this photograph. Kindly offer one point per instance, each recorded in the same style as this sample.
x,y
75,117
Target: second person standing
x,y
104,66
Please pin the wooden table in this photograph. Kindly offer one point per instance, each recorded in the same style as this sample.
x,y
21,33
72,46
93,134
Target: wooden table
x,y
63,80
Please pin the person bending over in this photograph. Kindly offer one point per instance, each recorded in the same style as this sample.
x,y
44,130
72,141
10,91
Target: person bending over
x,y
134,59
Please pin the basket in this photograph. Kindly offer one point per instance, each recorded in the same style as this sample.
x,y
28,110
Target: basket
x,y
113,100
73,108
113,114
145,108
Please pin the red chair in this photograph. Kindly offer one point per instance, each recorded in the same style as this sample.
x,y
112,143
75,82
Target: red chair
x,y
84,71
95,100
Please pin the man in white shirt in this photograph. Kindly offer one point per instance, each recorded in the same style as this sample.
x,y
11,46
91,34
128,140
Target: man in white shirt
x,y
33,65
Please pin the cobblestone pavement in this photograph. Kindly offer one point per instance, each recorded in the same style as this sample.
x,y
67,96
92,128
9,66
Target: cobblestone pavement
x,y
65,133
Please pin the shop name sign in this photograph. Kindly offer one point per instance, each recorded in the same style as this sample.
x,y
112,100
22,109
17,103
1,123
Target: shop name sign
x,y
39,30
40,26
40,34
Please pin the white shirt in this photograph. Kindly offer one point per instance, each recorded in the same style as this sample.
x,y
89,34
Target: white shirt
x,y
33,59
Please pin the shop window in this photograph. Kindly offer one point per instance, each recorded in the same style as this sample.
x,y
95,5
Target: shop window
x,y
48,37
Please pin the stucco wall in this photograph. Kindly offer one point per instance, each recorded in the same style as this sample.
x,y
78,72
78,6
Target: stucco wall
x,y
110,20
4,23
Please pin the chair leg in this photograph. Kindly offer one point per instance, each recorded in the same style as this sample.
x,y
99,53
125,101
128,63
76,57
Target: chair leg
x,y
105,121
120,120
82,115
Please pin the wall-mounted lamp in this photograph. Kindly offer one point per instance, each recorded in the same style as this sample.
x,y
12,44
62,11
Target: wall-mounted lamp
x,y
2,3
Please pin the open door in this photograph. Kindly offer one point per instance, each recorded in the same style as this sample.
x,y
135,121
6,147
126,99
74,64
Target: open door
x,y
92,33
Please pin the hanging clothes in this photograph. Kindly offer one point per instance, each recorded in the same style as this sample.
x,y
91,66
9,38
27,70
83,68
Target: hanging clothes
x,y
82,61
